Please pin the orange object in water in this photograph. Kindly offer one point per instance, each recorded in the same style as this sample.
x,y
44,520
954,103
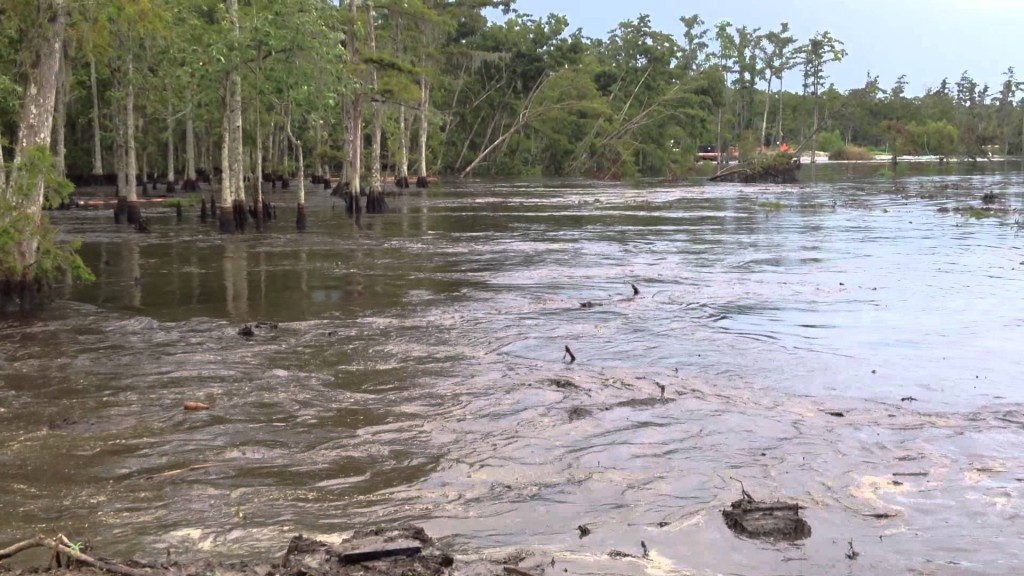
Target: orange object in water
x,y
196,406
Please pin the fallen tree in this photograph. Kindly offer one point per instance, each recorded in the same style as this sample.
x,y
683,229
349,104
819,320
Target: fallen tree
x,y
778,168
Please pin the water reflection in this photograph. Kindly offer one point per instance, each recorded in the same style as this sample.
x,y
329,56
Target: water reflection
x,y
236,283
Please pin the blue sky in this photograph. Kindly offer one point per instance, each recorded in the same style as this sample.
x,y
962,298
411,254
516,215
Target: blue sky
x,y
925,39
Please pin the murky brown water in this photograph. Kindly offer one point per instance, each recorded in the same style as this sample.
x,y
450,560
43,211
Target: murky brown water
x,y
408,379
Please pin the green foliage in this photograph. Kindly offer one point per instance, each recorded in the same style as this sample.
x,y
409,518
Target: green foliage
x,y
830,141
19,228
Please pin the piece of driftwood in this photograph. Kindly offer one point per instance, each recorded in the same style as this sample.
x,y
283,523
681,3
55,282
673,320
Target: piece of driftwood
x,y
61,545
766,520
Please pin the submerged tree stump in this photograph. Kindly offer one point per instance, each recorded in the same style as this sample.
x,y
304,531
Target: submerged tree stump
x,y
779,521
779,168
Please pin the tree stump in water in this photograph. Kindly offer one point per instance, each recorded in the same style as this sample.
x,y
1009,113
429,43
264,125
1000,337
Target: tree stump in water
x,y
422,182
778,521
225,219
778,168
202,212
121,210
134,212
300,217
375,203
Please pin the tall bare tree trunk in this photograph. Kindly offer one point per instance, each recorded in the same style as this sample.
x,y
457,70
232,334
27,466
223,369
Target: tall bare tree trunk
x,y
300,213
353,203
778,133
355,154
97,143
402,181
767,104
3,176
120,213
225,211
131,168
318,167
170,148
190,184
421,178
234,95
261,215
375,203
27,190
60,115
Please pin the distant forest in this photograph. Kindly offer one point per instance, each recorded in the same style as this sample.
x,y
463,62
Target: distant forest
x,y
437,85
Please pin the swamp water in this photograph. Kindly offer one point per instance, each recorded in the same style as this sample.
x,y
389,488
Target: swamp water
x,y
416,374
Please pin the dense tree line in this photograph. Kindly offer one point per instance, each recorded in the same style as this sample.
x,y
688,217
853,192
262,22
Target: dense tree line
x,y
242,94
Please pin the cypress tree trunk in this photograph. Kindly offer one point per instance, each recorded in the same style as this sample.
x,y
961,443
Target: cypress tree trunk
x,y
375,203
3,177
318,165
402,181
131,168
97,143
346,142
60,116
234,91
767,104
421,178
170,148
300,213
354,203
121,210
190,183
258,171
35,127
226,218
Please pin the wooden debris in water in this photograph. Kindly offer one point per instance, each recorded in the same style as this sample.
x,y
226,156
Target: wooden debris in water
x,y
568,352
776,521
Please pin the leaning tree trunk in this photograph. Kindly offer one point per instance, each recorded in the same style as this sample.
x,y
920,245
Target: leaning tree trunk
x,y
131,168
226,217
421,178
97,143
27,190
767,104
